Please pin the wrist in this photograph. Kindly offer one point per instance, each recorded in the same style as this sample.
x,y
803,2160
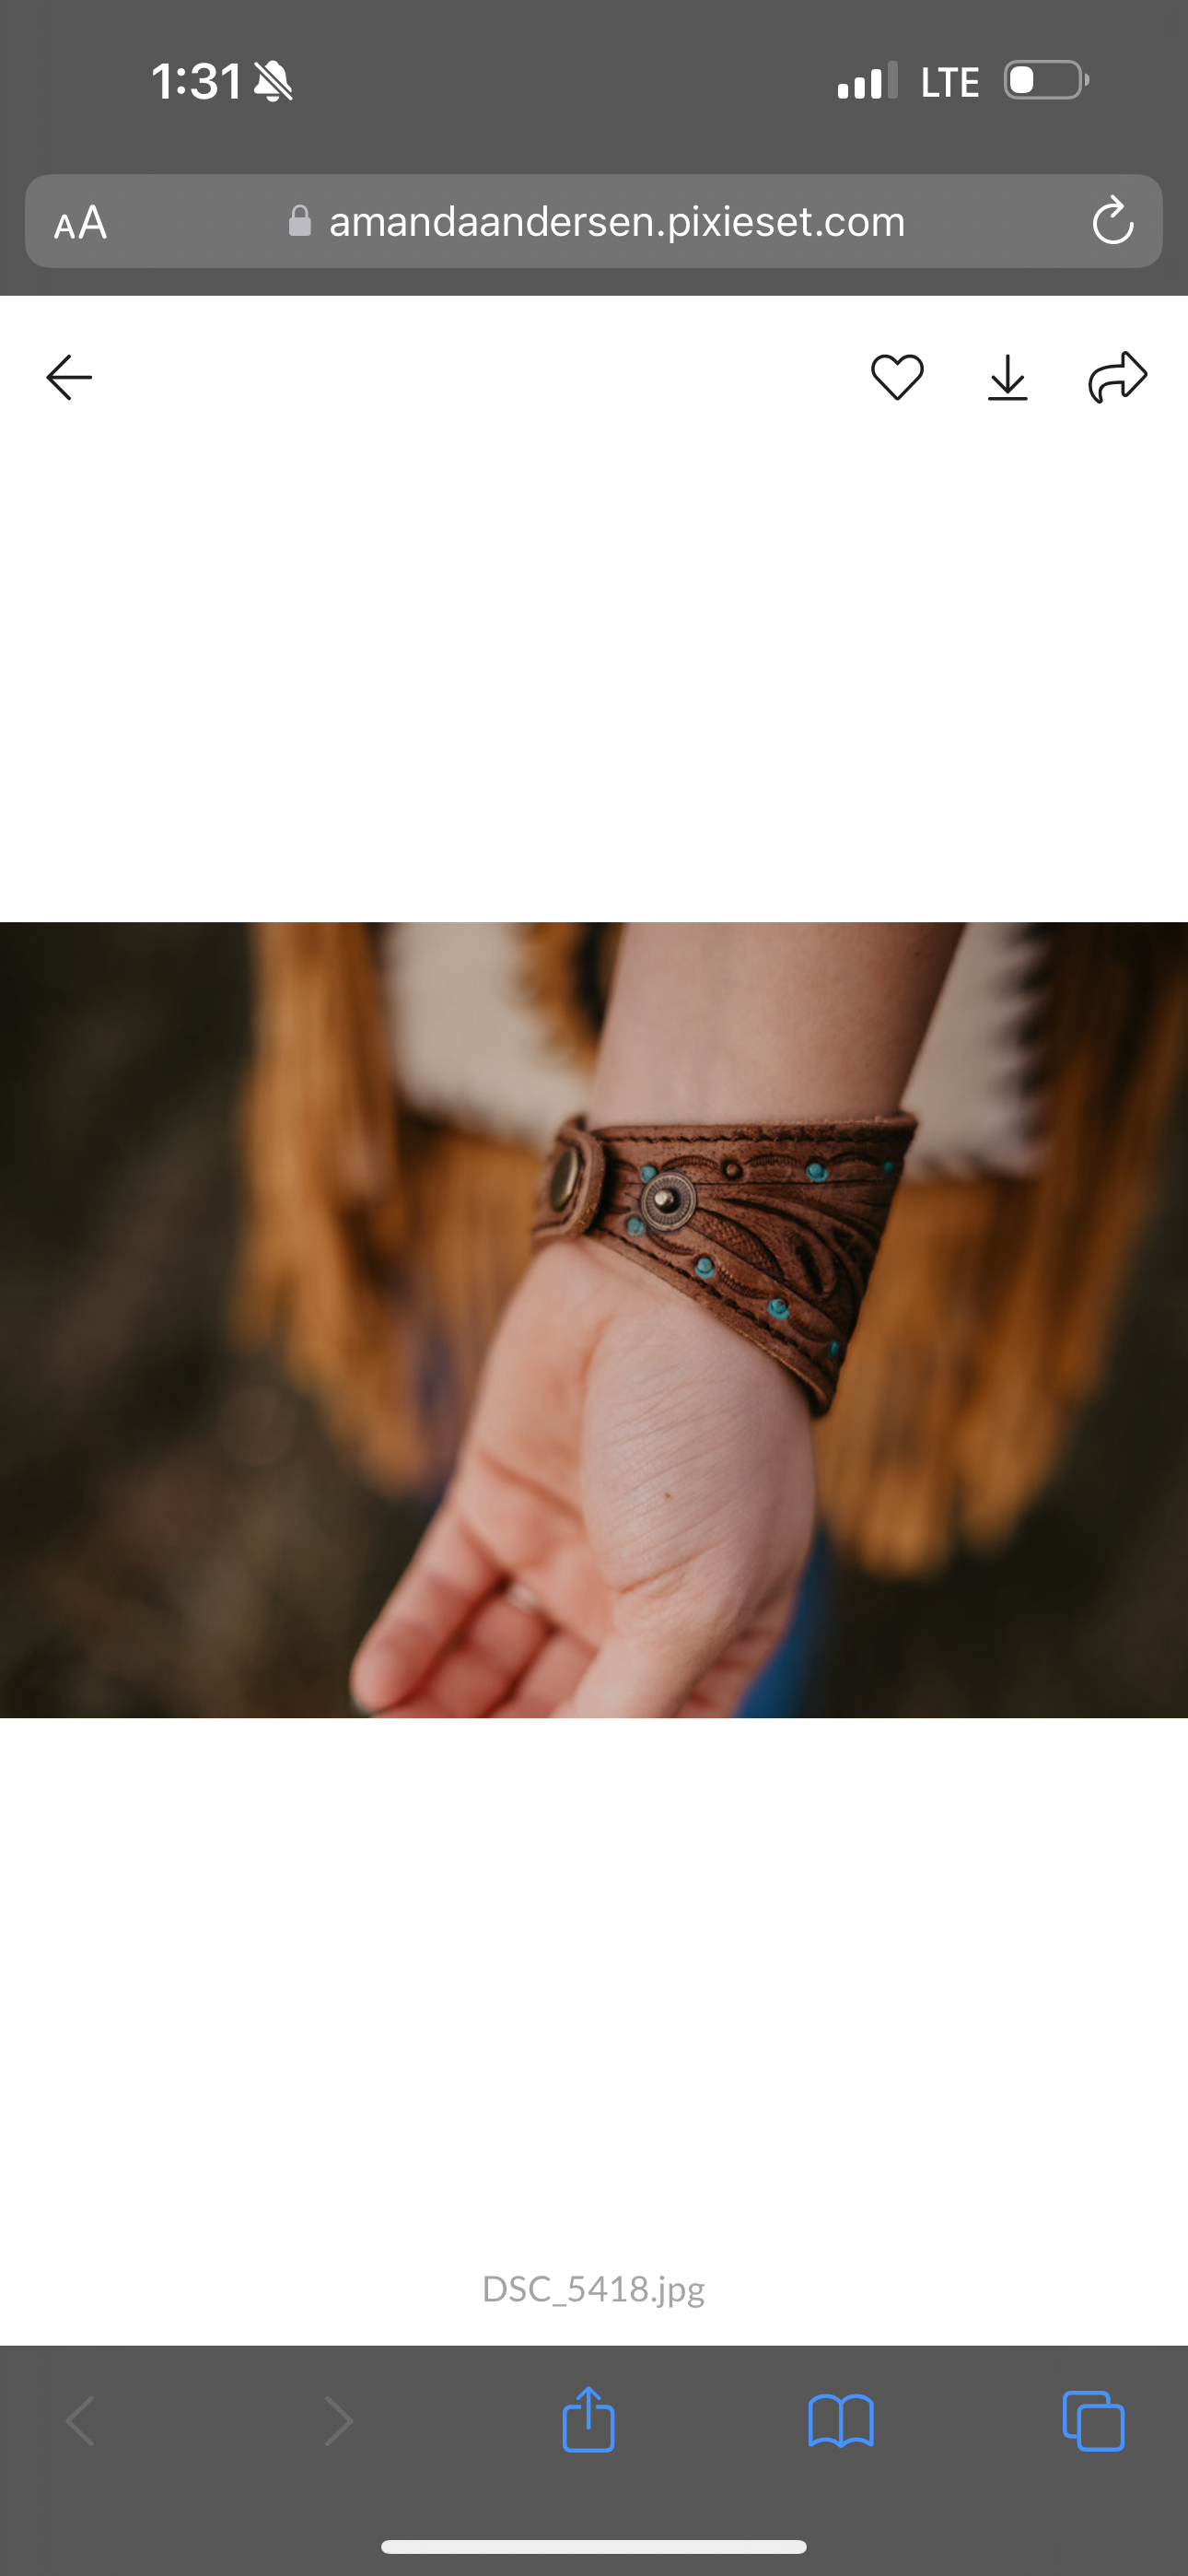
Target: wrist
x,y
765,1021
773,1228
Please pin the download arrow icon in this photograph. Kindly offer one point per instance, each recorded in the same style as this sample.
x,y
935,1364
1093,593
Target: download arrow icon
x,y
1126,372
1008,387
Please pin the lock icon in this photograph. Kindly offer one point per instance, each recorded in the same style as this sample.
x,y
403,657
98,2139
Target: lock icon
x,y
299,220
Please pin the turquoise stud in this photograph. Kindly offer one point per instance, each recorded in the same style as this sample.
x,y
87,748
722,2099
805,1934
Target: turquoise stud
x,y
704,1267
635,1225
817,1171
834,1348
647,1171
888,1168
778,1306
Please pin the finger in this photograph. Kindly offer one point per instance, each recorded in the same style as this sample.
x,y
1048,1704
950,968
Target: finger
x,y
450,1575
719,1690
651,1677
546,1541
638,1677
551,1679
479,1669
547,1678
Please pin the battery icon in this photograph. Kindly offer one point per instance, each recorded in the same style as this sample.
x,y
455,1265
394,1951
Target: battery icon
x,y
1051,76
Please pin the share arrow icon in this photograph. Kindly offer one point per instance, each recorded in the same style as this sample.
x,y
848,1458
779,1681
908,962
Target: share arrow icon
x,y
1125,372
588,2424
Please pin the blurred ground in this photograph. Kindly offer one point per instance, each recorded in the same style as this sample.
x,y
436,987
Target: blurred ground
x,y
178,1537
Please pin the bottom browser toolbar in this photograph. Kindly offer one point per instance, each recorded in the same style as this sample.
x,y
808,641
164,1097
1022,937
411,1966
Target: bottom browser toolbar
x,y
1042,2460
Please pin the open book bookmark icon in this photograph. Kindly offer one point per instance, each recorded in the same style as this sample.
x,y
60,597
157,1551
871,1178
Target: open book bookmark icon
x,y
841,2420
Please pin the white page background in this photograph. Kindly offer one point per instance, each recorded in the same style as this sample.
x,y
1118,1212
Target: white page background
x,y
876,2030
523,606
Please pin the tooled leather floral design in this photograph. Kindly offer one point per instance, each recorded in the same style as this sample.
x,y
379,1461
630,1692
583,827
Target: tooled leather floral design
x,y
782,1233
830,1244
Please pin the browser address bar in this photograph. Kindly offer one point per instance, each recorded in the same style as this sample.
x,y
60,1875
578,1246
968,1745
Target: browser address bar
x,y
479,221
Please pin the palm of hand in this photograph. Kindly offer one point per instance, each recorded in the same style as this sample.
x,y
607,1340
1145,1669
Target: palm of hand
x,y
639,1470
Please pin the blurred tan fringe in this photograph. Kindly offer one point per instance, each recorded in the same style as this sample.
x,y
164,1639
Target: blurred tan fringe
x,y
988,1318
380,1248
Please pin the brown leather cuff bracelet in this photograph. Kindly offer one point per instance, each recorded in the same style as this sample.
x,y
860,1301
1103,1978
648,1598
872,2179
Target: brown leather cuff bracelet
x,y
774,1228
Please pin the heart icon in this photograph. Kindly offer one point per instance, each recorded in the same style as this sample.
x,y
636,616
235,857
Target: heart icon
x,y
897,375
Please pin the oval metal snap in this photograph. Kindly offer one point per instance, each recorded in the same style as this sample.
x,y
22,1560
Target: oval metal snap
x,y
566,1175
668,1201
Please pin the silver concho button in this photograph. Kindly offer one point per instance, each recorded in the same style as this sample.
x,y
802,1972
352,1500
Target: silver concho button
x,y
668,1201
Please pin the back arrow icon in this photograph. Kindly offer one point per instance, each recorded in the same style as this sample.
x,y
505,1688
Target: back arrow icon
x,y
54,378
1127,373
344,2427
76,2427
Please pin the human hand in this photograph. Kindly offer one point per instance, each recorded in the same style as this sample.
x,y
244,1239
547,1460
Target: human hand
x,y
638,1470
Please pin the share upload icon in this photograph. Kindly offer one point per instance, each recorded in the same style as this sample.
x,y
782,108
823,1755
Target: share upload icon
x,y
1092,2420
588,2424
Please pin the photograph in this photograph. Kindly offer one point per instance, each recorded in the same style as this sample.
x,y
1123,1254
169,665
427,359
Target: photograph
x,y
637,1320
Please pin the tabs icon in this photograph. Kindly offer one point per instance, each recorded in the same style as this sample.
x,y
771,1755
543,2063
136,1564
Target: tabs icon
x,y
1096,2424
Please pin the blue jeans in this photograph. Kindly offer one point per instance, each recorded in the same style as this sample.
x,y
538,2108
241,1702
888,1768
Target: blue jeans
x,y
790,1682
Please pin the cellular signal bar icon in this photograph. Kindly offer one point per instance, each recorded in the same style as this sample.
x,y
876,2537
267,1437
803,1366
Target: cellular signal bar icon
x,y
858,88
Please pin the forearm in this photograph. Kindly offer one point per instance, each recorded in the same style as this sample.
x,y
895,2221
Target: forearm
x,y
766,1021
